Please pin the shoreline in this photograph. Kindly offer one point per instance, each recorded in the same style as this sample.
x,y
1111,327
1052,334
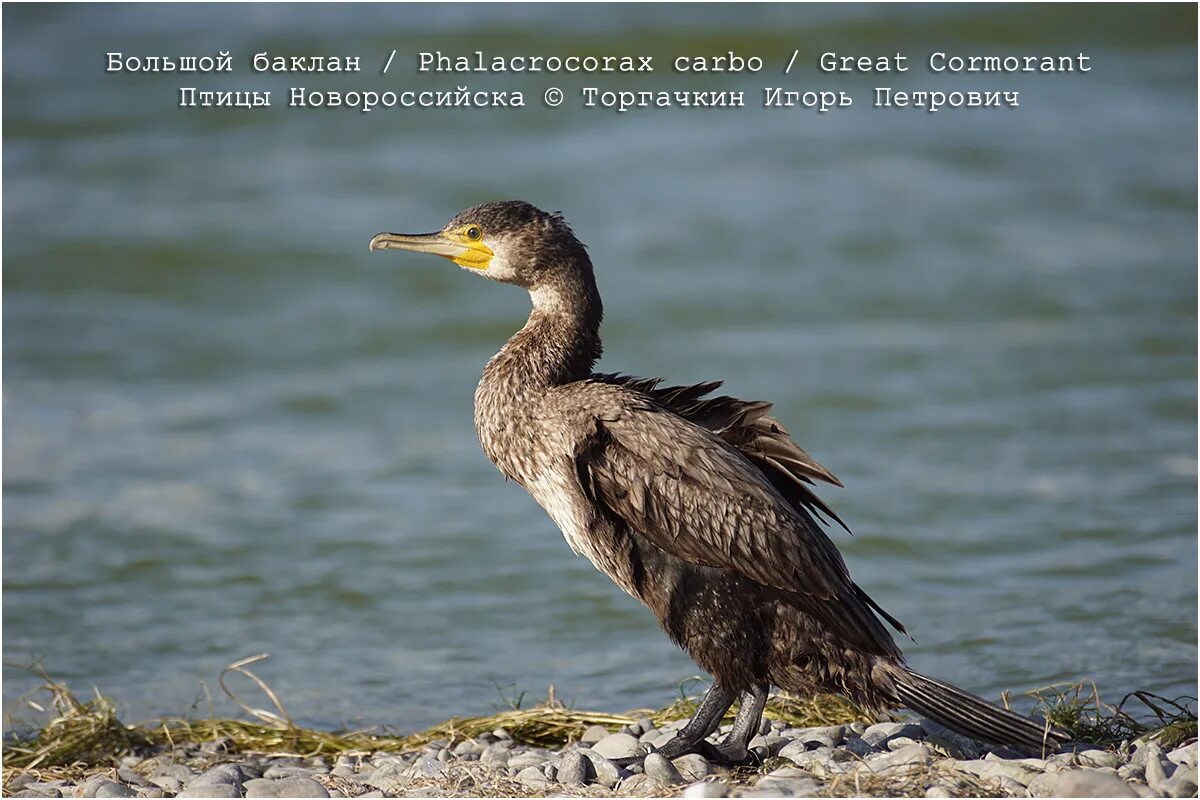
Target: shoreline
x,y
806,747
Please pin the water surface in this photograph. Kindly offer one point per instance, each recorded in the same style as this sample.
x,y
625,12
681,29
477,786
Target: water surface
x,y
230,429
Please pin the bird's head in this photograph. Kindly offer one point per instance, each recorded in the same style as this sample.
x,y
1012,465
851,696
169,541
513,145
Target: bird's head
x,y
509,241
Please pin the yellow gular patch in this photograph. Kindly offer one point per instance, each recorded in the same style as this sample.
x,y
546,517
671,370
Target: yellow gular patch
x,y
475,255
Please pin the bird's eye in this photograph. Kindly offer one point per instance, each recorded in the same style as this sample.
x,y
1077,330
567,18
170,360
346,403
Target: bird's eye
x,y
474,233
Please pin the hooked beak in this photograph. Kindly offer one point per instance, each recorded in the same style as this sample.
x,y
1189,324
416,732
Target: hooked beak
x,y
475,255
417,242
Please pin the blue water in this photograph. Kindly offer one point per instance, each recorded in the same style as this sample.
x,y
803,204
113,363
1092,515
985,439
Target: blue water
x,y
229,429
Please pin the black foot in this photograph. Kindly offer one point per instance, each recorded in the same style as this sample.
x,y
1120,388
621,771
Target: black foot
x,y
729,754
629,761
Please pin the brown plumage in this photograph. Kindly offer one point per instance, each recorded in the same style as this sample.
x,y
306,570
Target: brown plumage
x,y
702,507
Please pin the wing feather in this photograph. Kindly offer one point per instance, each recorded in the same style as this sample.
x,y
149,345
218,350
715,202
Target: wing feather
x,y
692,493
747,426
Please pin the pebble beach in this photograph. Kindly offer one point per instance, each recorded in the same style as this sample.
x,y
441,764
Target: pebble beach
x,y
915,758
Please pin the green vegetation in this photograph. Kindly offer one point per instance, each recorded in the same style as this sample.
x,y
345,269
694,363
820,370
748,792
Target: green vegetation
x,y
1077,709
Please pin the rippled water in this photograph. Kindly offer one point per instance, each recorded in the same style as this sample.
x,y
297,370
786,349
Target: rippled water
x,y
230,429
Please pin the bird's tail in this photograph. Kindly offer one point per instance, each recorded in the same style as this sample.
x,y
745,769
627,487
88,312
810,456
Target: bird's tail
x,y
964,713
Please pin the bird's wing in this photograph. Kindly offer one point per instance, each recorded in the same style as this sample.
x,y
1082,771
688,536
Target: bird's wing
x,y
695,496
747,426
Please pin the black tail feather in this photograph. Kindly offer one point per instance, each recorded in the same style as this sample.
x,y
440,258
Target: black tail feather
x,y
964,713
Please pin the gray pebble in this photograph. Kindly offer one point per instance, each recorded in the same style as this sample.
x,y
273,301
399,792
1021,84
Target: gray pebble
x,y
607,773
617,745
467,746
533,776
523,760
1182,783
775,743
423,767
815,740
151,791
21,781
280,771
211,790
663,738
900,741
132,778
660,769
692,767
88,787
372,793
293,786
177,771
645,724
810,759
167,783
830,735
1131,773
800,784
858,746
640,786
996,768
1090,783
259,787
1145,751
1045,785
36,793
388,776
1098,758
1011,788
495,755
1183,756
1155,775
574,769
707,789
593,734
232,774
794,751
112,789
879,734
905,756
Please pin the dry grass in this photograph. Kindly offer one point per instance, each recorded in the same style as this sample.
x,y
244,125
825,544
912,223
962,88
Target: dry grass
x,y
85,738
88,736
79,733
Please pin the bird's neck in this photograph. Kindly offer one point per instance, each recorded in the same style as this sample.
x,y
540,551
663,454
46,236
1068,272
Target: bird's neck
x,y
560,342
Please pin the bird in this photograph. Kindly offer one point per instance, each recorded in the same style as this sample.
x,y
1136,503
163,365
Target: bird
x,y
699,505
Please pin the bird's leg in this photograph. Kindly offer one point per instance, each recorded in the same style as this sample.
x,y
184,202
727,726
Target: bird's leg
x,y
707,719
734,749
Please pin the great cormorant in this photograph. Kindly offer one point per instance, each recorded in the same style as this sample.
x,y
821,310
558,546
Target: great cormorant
x,y
699,506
